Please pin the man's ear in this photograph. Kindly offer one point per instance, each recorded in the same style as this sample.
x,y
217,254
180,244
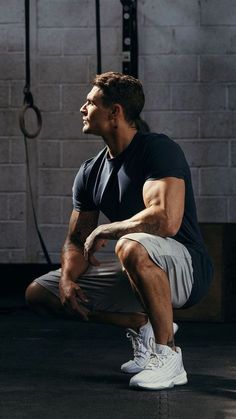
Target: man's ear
x,y
116,110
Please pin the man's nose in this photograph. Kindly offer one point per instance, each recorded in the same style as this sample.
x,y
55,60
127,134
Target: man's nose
x,y
83,108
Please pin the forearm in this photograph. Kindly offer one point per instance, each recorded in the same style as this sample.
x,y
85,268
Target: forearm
x,y
72,296
150,220
73,263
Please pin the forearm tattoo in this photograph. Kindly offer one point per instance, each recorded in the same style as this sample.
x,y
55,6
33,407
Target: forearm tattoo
x,y
77,237
71,244
118,229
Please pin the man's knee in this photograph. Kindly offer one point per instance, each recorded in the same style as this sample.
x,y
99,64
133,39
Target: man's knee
x,y
34,294
42,301
130,252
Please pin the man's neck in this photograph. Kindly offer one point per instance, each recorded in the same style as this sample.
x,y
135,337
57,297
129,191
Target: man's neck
x,y
119,141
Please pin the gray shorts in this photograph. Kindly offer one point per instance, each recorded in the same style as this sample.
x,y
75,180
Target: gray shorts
x,y
108,288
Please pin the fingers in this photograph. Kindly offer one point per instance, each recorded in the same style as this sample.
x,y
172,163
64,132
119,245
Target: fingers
x,y
93,261
81,295
72,303
73,308
91,258
87,251
91,247
82,311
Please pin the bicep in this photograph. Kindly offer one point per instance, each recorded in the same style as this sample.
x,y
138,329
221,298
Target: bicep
x,y
167,195
82,224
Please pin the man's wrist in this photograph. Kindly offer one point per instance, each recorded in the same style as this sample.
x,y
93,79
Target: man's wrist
x,y
66,277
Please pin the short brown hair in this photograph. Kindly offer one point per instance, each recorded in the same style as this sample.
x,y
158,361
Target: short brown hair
x,y
123,89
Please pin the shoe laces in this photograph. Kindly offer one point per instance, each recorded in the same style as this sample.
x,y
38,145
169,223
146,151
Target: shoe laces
x,y
156,361
137,344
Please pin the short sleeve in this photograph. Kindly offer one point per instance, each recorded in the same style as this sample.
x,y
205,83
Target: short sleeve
x,y
163,158
81,199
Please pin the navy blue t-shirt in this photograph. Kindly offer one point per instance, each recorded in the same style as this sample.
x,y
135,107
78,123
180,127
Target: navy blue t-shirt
x,y
115,187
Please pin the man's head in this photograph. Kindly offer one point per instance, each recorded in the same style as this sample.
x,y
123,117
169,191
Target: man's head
x,y
122,89
114,98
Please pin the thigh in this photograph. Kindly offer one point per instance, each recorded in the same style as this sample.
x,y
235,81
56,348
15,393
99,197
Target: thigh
x,y
107,287
50,281
174,259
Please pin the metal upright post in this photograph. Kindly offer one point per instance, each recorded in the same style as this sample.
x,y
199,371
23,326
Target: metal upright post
x,y
130,37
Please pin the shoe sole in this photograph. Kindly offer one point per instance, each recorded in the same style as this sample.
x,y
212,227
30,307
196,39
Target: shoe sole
x,y
134,371
181,379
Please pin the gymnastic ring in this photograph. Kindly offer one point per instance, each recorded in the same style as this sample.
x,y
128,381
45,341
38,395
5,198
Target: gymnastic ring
x,y
22,120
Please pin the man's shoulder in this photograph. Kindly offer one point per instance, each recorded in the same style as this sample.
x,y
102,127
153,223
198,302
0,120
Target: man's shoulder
x,y
88,164
157,140
162,149
154,136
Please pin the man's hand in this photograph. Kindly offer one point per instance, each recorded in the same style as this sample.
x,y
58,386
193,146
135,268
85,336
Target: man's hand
x,y
92,244
71,296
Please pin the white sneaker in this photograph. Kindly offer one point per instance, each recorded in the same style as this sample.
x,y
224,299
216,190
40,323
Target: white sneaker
x,y
164,370
142,343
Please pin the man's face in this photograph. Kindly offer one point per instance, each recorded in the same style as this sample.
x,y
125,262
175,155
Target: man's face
x,y
96,117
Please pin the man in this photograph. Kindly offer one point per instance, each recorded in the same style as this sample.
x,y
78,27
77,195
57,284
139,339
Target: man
x,y
142,183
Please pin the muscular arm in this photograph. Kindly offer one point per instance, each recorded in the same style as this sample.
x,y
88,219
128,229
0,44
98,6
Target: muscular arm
x,y
72,256
74,263
164,202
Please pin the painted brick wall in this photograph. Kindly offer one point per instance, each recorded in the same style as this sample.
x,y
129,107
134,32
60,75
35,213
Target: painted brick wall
x,y
187,63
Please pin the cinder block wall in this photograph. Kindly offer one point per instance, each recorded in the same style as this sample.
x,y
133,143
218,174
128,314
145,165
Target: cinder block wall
x,y
187,63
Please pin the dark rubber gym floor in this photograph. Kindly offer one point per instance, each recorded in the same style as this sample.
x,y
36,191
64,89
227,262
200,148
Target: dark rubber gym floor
x,y
53,368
